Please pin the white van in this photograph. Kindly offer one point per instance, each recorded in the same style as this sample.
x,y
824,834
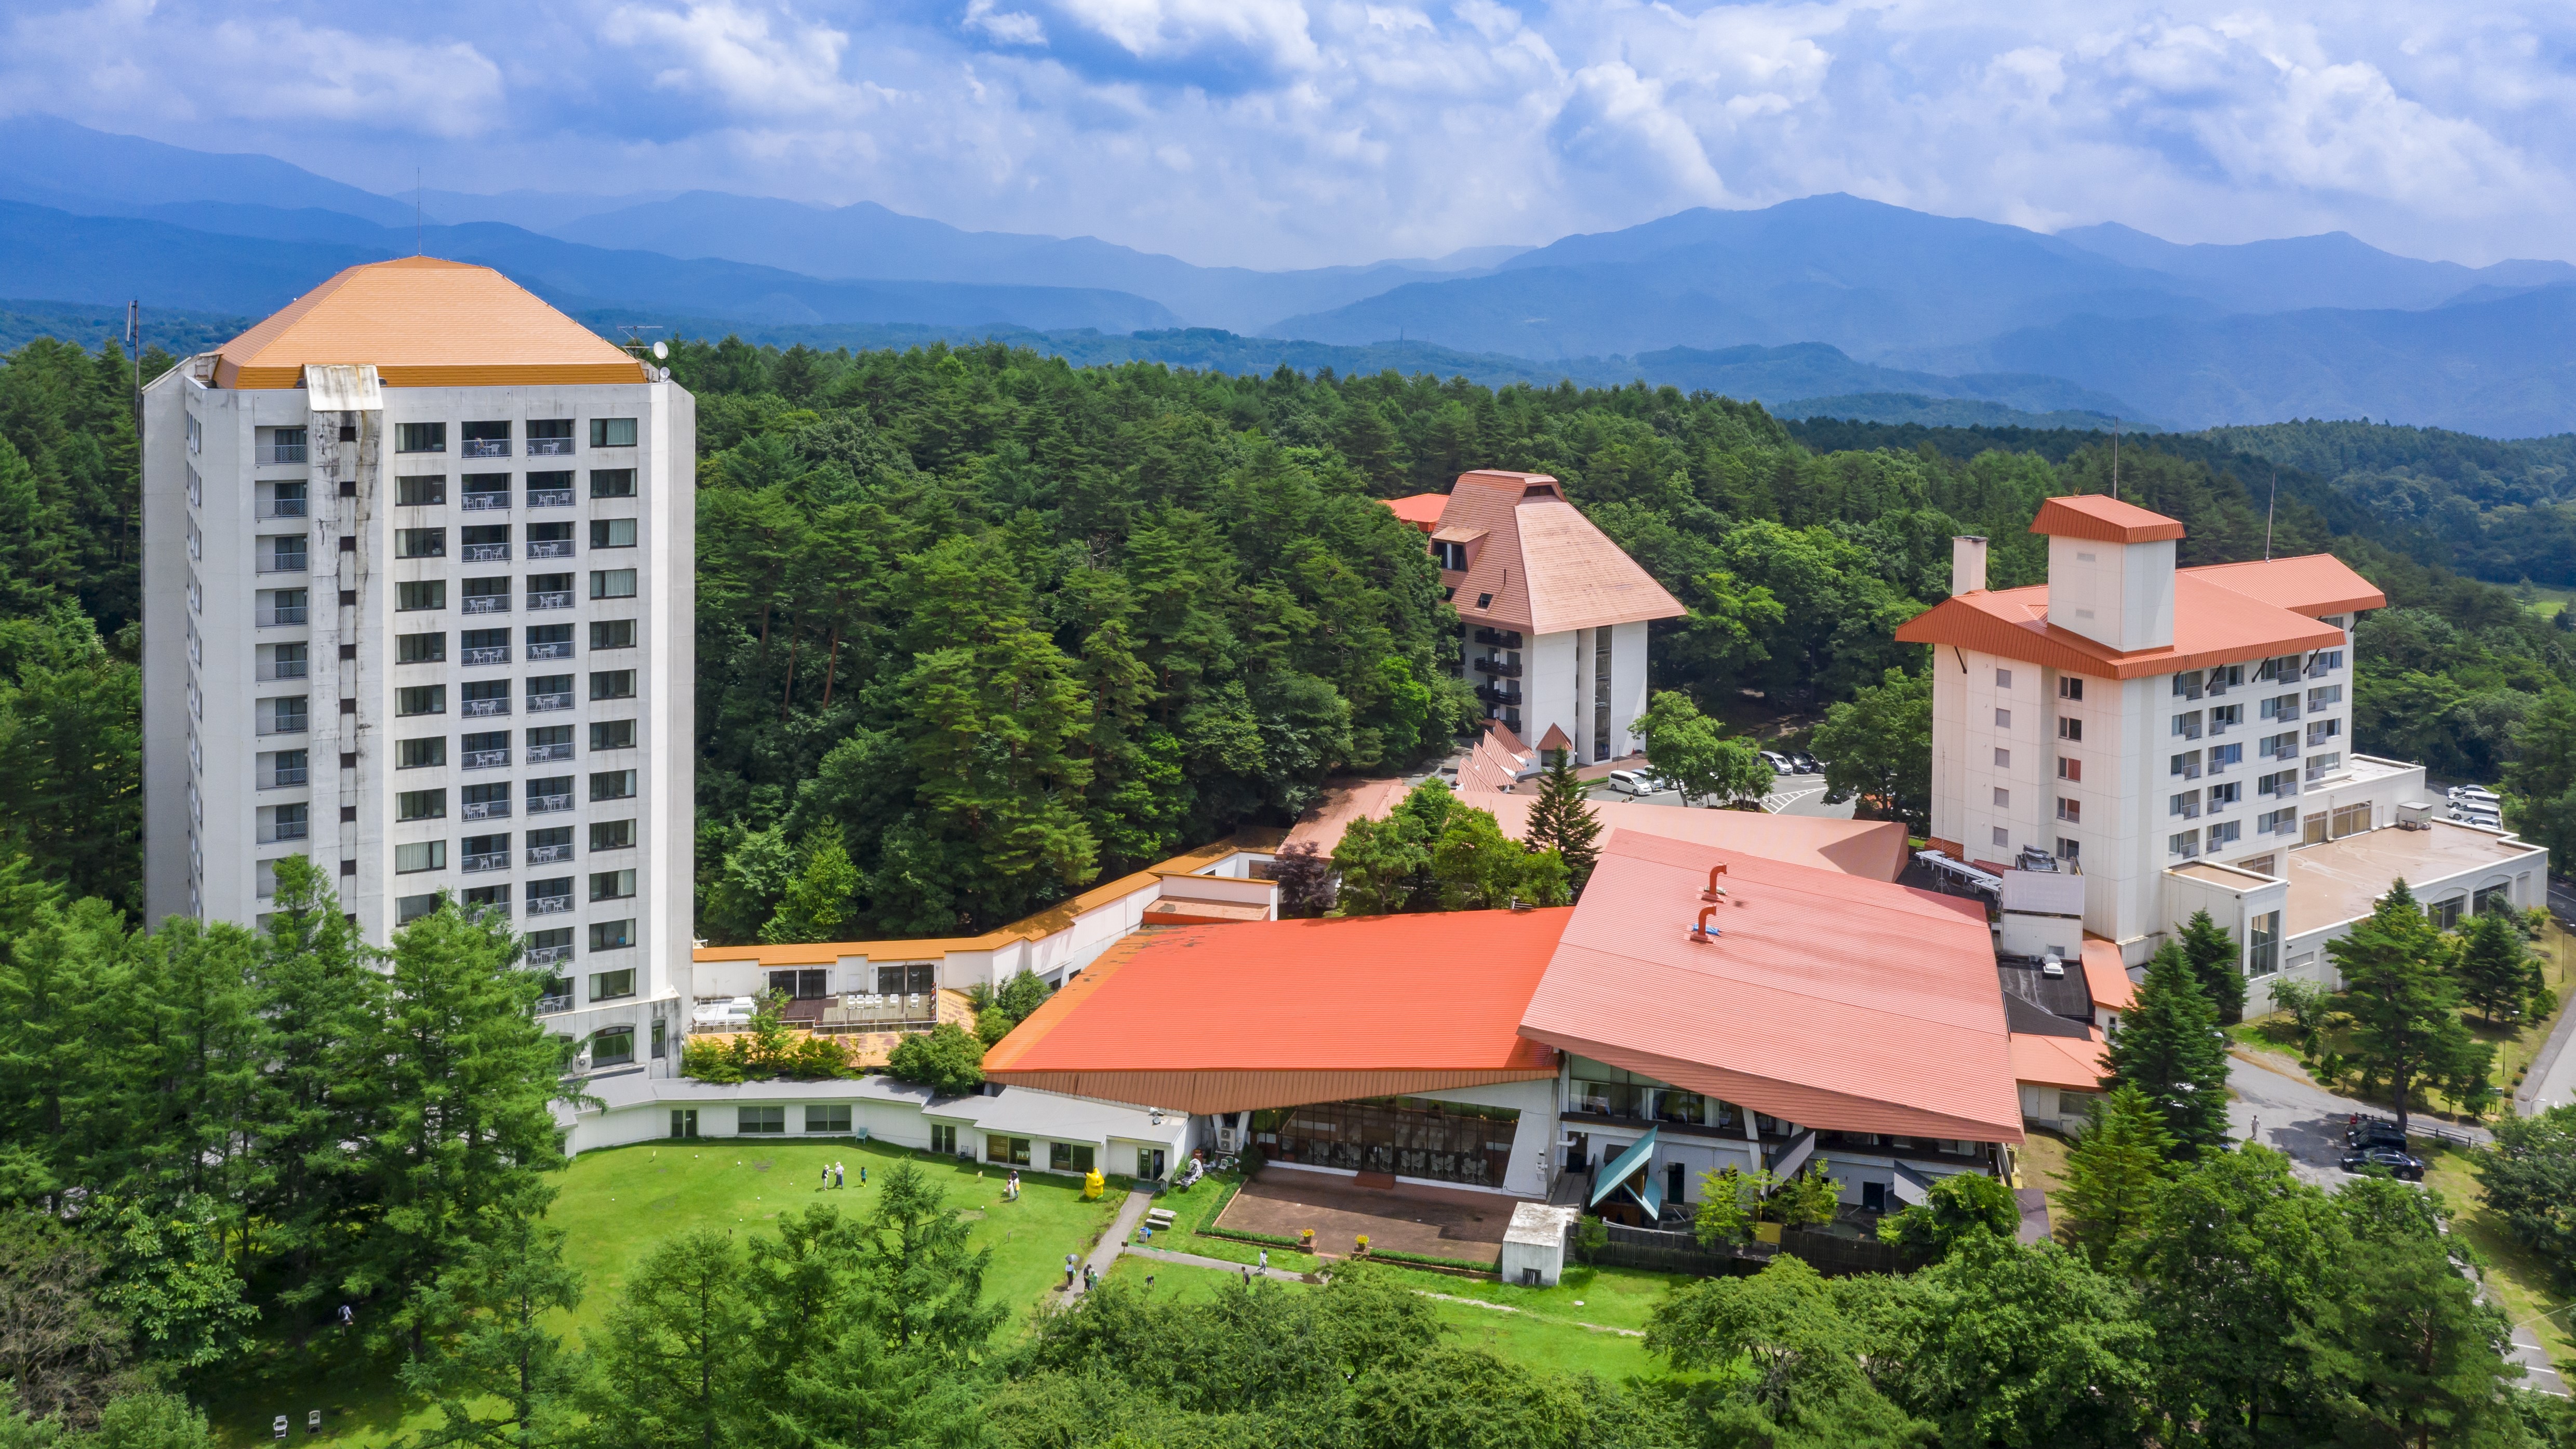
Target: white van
x,y
1633,782
2479,794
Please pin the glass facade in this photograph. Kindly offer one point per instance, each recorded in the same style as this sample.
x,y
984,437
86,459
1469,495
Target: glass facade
x,y
1408,1136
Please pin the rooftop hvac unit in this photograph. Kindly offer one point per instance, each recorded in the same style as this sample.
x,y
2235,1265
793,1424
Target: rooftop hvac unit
x,y
2415,816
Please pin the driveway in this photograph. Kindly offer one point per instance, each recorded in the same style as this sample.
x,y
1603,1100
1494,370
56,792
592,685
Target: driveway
x,y
1789,795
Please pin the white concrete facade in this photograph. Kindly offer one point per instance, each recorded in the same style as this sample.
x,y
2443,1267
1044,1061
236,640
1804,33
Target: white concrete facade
x,y
309,687
1562,685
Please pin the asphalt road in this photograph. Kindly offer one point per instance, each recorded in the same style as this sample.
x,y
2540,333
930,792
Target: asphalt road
x,y
1790,795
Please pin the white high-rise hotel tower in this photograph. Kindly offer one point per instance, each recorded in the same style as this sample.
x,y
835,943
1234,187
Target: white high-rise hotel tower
x,y
417,592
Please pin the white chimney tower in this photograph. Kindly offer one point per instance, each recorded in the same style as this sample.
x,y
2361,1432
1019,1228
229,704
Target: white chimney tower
x,y
1967,564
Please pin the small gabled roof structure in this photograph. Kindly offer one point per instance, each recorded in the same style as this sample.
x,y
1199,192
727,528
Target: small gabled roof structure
x,y
1422,510
1824,999
1534,562
423,322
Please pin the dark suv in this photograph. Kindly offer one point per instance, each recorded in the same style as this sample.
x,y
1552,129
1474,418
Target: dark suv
x,y
2361,1132
2390,1160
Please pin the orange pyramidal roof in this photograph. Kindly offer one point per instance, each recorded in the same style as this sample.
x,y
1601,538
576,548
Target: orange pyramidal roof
x,y
424,322
2102,520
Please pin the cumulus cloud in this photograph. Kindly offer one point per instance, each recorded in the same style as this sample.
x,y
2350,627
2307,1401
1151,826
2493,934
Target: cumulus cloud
x,y
1300,132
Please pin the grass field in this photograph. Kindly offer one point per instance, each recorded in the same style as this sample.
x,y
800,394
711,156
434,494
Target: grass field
x,y
2520,1281
617,1203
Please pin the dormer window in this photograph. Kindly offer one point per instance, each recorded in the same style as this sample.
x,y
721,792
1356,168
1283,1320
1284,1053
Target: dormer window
x,y
1452,557
1484,601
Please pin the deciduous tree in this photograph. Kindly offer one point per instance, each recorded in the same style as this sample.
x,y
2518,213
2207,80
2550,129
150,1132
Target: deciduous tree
x,y
1877,749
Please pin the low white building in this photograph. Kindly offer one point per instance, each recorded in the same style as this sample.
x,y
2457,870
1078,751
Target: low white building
x,y
2180,739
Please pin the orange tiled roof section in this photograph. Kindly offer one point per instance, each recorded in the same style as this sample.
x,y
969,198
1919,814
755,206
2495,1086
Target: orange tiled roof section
x,y
2223,614
1542,567
424,322
2059,1061
2106,977
2103,520
1422,510
1829,1001
1278,1013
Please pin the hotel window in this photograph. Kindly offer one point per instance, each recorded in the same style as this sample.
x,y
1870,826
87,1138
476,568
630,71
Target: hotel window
x,y
612,634
612,835
834,1119
612,583
420,543
2320,731
2322,765
2493,900
420,805
943,1139
759,1121
2002,838
2186,765
420,437
612,985
2186,805
2325,696
2283,746
2446,914
2276,822
2003,719
419,856
421,699
2003,798
2224,833
2222,756
427,594
408,909
2003,759
1012,1151
612,935
2003,679
419,492
2222,796
2285,706
612,785
2069,849
614,734
612,1046
2263,944
2225,717
612,432
612,482
613,684
612,885
612,533
2186,725
2070,811
2069,687
2326,662
2070,769
420,648
2185,844
419,754
1069,1156
2070,729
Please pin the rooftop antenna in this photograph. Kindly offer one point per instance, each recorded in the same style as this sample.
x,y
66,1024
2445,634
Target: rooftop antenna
x,y
134,350
2268,508
418,230
2115,458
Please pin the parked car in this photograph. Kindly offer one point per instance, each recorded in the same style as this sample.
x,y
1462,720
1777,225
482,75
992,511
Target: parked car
x,y
2360,1131
1807,764
2388,1159
2473,814
1779,762
1633,782
2461,794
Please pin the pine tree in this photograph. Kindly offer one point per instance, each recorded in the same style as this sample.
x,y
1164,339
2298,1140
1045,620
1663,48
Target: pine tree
x,y
2114,1168
924,1282
2170,1048
2404,1005
1562,819
495,1368
2500,976
677,1365
2216,961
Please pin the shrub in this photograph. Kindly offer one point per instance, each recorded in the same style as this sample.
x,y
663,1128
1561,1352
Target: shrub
x,y
948,1060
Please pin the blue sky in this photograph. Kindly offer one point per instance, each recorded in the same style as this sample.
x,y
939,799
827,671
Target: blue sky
x,y
1306,132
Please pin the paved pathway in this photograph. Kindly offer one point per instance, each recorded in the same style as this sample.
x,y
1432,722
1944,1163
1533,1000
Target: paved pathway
x,y
2552,1079
1197,1260
1105,1252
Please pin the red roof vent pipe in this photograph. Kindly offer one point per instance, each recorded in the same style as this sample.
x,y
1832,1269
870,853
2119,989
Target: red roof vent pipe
x,y
1703,932
1715,892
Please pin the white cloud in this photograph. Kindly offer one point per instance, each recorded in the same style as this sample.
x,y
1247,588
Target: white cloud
x,y
1010,27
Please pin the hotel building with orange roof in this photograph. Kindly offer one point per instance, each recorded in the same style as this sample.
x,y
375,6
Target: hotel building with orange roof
x,y
418,563
2181,739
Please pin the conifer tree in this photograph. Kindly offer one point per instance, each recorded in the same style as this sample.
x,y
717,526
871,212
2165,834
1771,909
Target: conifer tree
x,y
1562,820
2500,976
2217,962
495,1368
2118,1161
2404,1005
2169,1047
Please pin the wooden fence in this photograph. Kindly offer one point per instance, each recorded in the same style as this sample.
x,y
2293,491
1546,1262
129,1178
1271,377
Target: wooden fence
x,y
1658,1250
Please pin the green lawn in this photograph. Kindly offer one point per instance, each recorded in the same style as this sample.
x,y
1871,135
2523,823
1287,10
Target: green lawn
x,y
2520,1280
617,1203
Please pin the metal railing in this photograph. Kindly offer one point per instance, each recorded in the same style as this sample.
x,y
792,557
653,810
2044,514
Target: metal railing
x,y
543,754
483,708
551,649
548,804
281,452
546,703
550,498
487,604
487,553
291,830
1491,695
486,759
549,447
548,854
488,859
283,562
485,502
550,599
1503,667
288,669
276,618
550,1005
550,548
487,810
284,508
1499,638
284,779
487,654
549,905
487,447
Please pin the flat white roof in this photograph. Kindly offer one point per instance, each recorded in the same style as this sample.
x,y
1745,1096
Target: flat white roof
x,y
2342,879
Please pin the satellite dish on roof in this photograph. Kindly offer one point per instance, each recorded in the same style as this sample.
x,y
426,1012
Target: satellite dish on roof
x,y
661,350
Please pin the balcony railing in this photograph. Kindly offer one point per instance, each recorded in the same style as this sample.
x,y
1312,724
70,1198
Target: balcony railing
x,y
549,905
487,603
487,447
556,649
1503,667
1499,638
491,809
291,830
549,1005
284,508
279,617
547,804
487,553
487,654
549,447
485,503
550,498
288,669
284,779
488,860
550,548
543,703
281,453
486,759
484,708
550,599
1491,695
283,563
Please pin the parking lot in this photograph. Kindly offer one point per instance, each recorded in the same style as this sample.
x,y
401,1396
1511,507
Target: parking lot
x,y
1791,794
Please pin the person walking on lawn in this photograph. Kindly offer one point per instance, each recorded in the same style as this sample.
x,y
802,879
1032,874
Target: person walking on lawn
x,y
1069,1261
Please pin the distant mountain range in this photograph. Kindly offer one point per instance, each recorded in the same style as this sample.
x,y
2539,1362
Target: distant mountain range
x,y
1826,301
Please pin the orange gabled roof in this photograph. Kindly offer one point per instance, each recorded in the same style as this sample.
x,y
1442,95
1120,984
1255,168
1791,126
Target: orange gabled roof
x,y
1422,510
2213,624
2103,520
1277,1013
2059,1061
423,322
2106,977
2312,584
1541,566
1826,999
